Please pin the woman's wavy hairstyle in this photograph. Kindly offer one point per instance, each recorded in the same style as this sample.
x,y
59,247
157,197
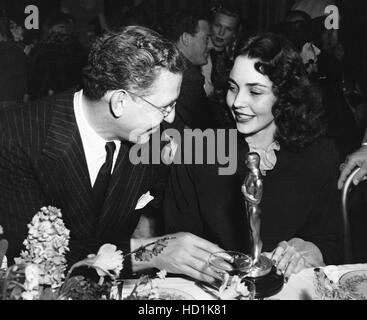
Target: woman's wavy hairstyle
x,y
298,110
129,59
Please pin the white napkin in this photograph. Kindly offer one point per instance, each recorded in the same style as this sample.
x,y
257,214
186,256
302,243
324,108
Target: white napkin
x,y
144,200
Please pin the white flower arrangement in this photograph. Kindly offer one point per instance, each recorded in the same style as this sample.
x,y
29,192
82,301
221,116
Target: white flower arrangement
x,y
39,272
46,245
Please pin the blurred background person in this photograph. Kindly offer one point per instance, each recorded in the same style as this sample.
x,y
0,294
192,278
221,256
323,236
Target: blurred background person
x,y
324,57
89,18
190,30
225,33
57,59
13,66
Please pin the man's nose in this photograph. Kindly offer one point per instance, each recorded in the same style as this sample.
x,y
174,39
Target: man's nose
x,y
171,117
221,31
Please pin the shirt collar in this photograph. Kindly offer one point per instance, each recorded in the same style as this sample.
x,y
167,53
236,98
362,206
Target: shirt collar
x,y
91,140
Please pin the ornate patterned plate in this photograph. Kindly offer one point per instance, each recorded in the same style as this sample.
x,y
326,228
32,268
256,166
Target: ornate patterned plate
x,y
356,283
173,294
170,294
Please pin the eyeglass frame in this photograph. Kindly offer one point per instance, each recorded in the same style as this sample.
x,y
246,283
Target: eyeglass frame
x,y
164,110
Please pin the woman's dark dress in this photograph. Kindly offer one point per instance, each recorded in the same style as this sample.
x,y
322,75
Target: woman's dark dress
x,y
300,199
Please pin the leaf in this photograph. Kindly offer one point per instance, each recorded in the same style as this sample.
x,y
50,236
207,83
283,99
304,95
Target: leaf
x,y
47,294
16,293
159,246
145,254
68,285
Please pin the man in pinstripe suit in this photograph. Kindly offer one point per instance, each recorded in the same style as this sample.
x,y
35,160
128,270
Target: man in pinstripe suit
x,y
51,152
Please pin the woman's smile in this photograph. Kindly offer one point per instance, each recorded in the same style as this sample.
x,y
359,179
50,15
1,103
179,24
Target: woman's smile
x,y
242,117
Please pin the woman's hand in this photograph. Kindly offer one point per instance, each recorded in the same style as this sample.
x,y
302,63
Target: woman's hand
x,y
293,256
357,159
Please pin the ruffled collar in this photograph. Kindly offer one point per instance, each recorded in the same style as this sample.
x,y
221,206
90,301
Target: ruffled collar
x,y
268,158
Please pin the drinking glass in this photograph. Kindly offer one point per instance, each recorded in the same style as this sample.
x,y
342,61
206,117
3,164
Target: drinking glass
x,y
229,264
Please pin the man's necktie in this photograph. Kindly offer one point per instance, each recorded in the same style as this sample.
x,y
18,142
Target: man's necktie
x,y
103,178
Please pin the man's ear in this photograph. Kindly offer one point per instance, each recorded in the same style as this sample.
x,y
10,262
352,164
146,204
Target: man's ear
x,y
186,39
118,102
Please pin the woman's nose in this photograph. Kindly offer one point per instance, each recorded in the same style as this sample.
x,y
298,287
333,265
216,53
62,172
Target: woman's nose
x,y
241,100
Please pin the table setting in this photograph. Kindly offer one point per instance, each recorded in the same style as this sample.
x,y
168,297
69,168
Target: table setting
x,y
254,276
301,286
41,274
41,271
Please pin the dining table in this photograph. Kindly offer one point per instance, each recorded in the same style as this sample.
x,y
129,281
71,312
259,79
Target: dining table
x,y
300,286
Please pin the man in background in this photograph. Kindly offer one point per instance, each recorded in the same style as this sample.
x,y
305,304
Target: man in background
x,y
191,31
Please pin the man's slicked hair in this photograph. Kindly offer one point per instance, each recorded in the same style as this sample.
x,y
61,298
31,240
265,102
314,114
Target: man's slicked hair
x,y
130,59
181,22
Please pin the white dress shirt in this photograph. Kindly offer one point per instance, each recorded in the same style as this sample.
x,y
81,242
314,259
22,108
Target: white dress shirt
x,y
93,145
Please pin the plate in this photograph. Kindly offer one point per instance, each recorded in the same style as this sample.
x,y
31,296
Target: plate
x,y
171,294
356,283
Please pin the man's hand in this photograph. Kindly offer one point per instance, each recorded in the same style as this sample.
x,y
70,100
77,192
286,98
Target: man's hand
x,y
357,159
184,254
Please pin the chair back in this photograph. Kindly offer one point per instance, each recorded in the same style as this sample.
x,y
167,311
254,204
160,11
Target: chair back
x,y
346,223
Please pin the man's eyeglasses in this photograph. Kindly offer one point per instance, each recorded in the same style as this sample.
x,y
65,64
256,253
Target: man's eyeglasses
x,y
164,110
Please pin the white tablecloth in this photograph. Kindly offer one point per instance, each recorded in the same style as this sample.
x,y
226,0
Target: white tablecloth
x,y
299,287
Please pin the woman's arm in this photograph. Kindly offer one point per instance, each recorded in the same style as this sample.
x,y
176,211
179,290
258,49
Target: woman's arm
x,y
181,203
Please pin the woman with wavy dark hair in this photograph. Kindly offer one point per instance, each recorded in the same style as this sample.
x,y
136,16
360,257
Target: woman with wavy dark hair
x,y
278,114
297,108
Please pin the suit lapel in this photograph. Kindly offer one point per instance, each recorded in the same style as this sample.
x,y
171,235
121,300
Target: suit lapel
x,y
68,164
64,146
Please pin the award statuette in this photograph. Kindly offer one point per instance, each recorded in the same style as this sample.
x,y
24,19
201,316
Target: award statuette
x,y
262,272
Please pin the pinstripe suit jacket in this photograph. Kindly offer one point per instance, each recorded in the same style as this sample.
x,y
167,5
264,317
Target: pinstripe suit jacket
x,y
42,163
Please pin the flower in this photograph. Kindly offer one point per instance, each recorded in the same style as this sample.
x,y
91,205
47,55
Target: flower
x,y
108,259
232,288
162,274
32,277
46,245
42,264
29,295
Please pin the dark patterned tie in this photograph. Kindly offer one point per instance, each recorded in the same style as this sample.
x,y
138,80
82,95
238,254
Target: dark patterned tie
x,y
103,178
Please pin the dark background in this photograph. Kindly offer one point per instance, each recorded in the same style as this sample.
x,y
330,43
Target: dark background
x,y
258,14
